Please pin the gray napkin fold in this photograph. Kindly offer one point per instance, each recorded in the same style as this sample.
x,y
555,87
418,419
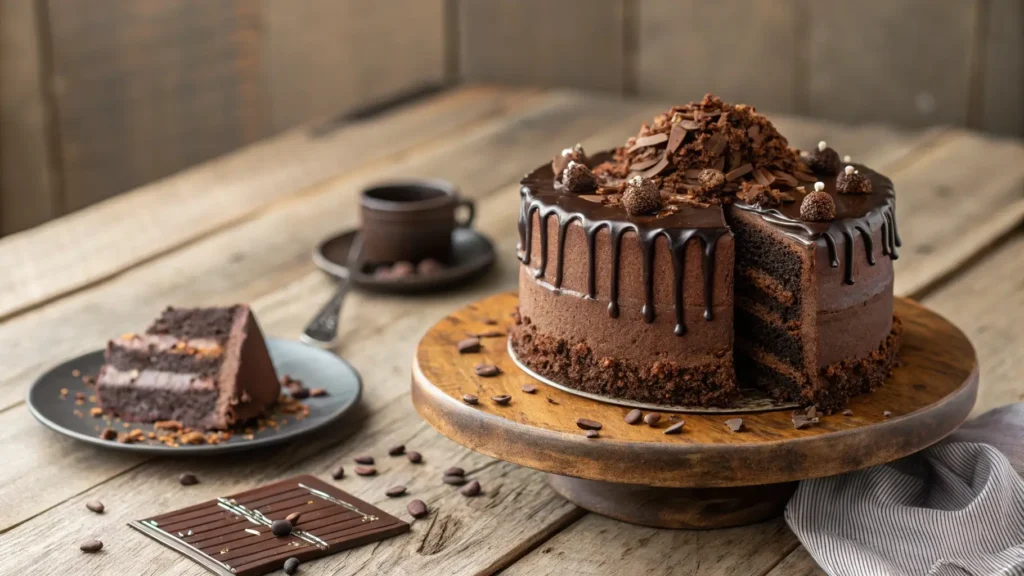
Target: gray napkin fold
x,y
955,509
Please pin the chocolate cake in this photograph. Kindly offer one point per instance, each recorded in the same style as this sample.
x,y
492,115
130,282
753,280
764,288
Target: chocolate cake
x,y
705,255
203,367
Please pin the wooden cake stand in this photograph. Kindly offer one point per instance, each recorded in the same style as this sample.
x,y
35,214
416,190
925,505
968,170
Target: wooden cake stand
x,y
707,476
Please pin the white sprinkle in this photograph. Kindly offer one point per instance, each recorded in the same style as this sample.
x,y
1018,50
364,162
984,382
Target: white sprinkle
x,y
189,533
822,146
849,170
567,152
636,180
253,532
180,535
847,158
819,186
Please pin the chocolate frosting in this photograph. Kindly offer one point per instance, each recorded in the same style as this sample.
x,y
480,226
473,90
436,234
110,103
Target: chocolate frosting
x,y
854,213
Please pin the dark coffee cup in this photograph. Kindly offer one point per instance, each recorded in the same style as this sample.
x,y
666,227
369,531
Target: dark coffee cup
x,y
410,220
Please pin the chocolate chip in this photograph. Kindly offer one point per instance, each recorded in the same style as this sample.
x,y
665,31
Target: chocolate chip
x,y
468,346
593,434
887,413
281,528
394,491
529,388
95,505
676,428
291,566
188,479
338,473
414,457
366,470
818,206
634,416
652,419
454,471
486,370
471,489
417,509
317,392
396,450
91,546
735,424
108,434
364,459
847,412
453,480
293,518
501,400
586,424
470,399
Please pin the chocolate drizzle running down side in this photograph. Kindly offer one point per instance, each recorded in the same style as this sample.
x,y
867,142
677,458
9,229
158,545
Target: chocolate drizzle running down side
x,y
706,225
859,213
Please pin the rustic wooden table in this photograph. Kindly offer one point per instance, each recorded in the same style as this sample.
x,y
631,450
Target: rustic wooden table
x,y
241,229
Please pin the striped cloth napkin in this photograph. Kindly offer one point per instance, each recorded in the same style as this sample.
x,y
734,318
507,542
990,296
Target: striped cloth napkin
x,y
955,509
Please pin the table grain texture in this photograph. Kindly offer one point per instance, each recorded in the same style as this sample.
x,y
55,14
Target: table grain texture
x,y
241,228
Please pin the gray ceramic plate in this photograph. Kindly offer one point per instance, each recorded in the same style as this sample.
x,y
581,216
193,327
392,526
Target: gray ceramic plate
x,y
314,367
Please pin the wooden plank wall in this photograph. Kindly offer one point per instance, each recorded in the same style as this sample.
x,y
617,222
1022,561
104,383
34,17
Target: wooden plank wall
x,y
101,96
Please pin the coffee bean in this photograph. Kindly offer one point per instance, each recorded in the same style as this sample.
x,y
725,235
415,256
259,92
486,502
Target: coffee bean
x,y
454,480
188,479
652,419
586,424
417,509
468,346
91,546
634,416
414,457
394,491
486,370
293,518
365,470
470,399
735,424
676,428
291,566
454,471
593,434
502,400
471,489
281,528
364,459
396,450
108,434
529,388
95,505
338,473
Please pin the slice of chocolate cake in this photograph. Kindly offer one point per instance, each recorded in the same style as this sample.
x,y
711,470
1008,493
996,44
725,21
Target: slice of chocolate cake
x,y
204,367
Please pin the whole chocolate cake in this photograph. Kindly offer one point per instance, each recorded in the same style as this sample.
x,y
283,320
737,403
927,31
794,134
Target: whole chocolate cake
x,y
704,253
203,367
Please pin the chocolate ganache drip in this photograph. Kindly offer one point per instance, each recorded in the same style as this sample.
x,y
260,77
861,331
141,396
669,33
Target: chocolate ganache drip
x,y
706,159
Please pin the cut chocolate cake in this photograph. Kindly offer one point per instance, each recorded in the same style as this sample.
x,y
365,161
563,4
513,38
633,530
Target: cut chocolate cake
x,y
203,367
642,267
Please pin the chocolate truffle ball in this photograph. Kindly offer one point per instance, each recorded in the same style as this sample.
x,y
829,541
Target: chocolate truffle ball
x,y
853,182
818,206
824,161
641,196
711,179
578,178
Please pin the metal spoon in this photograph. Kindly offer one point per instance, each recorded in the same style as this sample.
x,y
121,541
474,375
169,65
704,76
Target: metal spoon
x,y
322,331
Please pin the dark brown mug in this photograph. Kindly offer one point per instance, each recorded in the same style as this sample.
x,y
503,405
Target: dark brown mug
x,y
410,220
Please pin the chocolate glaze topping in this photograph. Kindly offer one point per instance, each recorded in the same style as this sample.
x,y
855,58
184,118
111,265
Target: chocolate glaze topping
x,y
541,195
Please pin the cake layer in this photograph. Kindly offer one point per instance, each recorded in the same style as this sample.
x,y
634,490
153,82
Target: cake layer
x,y
151,395
165,353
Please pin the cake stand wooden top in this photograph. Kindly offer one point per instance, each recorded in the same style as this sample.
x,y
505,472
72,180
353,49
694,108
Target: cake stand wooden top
x,y
928,396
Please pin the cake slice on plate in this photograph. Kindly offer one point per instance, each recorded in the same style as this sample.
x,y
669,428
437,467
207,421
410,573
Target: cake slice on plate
x,y
204,367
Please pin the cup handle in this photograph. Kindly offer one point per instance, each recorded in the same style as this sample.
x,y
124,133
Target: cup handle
x,y
470,211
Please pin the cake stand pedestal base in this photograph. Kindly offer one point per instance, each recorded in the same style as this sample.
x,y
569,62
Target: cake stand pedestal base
x,y
685,508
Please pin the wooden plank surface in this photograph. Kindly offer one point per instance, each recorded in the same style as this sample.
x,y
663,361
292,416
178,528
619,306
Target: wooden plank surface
x,y
741,50
326,56
569,43
90,245
863,65
263,257
29,188
1002,81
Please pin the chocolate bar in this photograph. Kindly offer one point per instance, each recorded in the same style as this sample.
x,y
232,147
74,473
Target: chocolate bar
x,y
231,536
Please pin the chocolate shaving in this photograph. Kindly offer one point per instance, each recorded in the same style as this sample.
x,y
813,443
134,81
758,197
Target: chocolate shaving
x,y
785,178
652,140
675,138
644,164
763,177
689,124
656,169
805,176
737,172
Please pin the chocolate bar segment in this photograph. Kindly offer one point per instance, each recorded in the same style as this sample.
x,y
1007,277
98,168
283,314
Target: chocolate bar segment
x,y
231,535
